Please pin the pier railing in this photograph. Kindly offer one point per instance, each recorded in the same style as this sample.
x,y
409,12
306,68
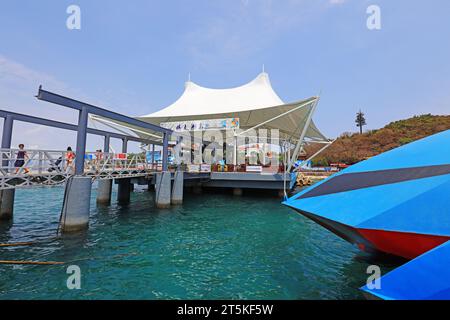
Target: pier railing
x,y
102,165
50,167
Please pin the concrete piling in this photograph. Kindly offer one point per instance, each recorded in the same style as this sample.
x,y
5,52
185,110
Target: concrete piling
x,y
124,190
177,188
104,191
7,204
76,207
163,184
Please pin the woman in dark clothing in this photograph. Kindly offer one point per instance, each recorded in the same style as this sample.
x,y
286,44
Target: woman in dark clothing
x,y
20,159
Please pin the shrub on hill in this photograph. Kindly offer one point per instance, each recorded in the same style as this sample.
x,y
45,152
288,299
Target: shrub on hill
x,y
350,148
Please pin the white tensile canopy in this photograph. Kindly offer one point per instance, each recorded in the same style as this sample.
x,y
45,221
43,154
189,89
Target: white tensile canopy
x,y
255,104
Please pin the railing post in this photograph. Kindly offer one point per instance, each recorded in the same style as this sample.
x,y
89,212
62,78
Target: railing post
x,y
41,158
81,141
165,152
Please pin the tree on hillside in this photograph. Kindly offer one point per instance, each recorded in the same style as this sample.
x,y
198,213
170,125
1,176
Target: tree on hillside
x,y
360,121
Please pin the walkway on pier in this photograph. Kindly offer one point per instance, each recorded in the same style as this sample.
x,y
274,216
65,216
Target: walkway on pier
x,y
47,167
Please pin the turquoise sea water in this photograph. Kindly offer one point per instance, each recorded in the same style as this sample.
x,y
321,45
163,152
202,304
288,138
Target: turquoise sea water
x,y
214,246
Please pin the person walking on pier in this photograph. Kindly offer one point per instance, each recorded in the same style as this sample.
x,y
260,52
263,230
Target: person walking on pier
x,y
70,156
20,159
98,160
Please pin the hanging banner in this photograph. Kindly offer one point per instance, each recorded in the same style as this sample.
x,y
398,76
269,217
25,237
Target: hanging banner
x,y
202,125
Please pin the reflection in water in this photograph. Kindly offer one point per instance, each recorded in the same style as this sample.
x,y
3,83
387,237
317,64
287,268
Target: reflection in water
x,y
355,271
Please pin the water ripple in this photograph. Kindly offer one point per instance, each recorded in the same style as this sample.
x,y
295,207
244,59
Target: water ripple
x,y
211,247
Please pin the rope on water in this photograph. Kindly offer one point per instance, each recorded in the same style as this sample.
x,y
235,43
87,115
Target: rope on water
x,y
31,262
17,244
66,194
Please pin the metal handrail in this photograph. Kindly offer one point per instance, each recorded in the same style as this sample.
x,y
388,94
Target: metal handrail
x,y
51,167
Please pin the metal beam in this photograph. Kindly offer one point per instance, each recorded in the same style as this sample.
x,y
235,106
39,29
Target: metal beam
x,y
124,145
7,132
315,154
81,141
78,105
304,104
7,136
117,126
302,135
69,126
107,143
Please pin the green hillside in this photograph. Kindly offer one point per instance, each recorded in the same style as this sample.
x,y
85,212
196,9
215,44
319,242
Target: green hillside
x,y
350,148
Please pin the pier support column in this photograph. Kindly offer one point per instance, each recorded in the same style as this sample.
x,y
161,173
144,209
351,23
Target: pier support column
x,y
238,191
7,196
7,204
76,206
150,186
163,189
104,191
177,189
123,191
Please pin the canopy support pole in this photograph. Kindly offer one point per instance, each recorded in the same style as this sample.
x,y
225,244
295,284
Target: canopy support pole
x,y
280,115
315,154
302,135
235,149
116,126
165,152
153,156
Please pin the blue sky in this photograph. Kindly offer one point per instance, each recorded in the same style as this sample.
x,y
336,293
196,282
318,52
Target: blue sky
x,y
134,57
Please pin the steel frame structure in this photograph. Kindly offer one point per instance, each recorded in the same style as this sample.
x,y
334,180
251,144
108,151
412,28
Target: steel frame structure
x,y
86,109
10,181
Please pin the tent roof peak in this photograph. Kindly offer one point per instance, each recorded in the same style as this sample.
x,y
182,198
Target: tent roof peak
x,y
261,79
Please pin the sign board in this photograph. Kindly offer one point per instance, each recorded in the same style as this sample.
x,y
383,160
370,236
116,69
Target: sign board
x,y
193,168
157,156
120,156
205,168
253,168
202,125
